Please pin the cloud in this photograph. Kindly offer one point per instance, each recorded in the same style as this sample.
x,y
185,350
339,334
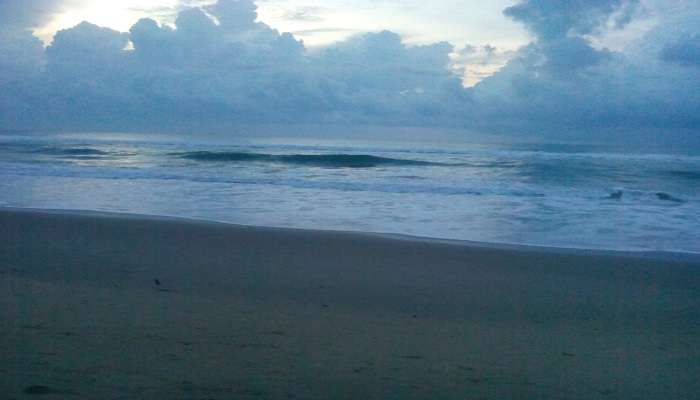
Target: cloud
x,y
219,67
235,15
304,32
561,29
556,19
379,78
29,13
21,55
561,86
86,44
305,14
570,54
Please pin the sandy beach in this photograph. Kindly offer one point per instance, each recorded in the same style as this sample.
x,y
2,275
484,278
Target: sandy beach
x,y
99,306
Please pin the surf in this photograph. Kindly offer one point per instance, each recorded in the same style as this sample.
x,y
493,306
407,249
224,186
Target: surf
x,y
314,160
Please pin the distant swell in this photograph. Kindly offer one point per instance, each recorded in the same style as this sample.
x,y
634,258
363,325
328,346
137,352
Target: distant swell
x,y
690,175
316,160
76,151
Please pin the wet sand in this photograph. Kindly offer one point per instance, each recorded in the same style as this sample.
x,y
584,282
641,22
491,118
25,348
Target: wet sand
x,y
98,306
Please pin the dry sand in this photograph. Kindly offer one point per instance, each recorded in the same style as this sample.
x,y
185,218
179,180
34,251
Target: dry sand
x,y
257,313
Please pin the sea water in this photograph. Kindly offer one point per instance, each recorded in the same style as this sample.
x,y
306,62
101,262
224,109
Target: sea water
x,y
538,194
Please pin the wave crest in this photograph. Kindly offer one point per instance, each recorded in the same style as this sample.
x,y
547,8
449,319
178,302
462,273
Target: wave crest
x,y
315,160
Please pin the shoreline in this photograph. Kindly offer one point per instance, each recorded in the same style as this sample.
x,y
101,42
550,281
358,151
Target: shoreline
x,y
112,306
681,255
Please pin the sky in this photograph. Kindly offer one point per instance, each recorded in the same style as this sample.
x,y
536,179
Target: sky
x,y
320,23
575,70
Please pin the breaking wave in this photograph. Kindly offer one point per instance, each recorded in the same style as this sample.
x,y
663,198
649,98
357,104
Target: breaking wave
x,y
316,160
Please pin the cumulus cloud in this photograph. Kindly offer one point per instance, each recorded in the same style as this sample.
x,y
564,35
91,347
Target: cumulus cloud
x,y
561,85
21,55
379,78
218,66
561,29
556,19
86,44
235,15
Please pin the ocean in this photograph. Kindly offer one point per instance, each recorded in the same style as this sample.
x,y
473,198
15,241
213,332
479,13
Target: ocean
x,y
555,195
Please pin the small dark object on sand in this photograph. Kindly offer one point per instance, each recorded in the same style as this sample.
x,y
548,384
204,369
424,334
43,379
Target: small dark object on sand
x,y
38,389
157,282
